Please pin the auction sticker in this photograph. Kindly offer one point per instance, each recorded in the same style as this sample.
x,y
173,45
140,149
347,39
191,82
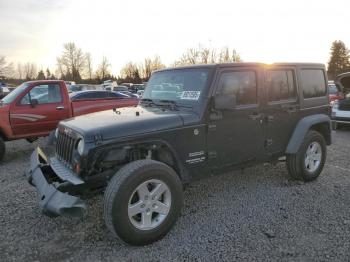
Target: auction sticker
x,y
190,95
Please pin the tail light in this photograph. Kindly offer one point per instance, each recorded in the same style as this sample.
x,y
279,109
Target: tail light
x,y
335,104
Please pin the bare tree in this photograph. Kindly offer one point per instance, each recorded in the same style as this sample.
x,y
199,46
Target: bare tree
x,y
227,56
192,56
202,55
205,56
20,71
6,69
30,71
103,71
149,65
89,65
128,71
61,70
71,63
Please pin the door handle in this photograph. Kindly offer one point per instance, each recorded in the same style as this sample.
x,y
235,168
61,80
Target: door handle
x,y
270,119
290,108
60,108
255,116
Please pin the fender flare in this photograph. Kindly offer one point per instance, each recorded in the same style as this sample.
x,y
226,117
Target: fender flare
x,y
182,171
303,127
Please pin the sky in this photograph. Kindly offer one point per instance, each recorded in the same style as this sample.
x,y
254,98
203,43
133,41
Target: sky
x,y
129,30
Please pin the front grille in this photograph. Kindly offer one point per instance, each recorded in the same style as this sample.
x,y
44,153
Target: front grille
x,y
344,105
65,146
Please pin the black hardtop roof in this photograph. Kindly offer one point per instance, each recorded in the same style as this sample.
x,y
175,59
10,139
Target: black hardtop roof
x,y
245,64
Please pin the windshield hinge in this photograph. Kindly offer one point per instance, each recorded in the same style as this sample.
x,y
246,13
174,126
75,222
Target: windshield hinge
x,y
98,139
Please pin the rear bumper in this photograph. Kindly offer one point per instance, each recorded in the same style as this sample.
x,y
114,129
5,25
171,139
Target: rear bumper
x,y
341,120
52,201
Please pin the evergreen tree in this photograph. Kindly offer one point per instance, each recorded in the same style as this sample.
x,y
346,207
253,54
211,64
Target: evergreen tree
x,y
48,74
41,75
339,61
137,78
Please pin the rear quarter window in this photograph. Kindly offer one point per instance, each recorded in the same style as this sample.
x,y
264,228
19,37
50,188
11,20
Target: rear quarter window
x,y
313,83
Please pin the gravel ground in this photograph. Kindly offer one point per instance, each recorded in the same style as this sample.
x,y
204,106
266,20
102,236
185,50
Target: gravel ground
x,y
257,214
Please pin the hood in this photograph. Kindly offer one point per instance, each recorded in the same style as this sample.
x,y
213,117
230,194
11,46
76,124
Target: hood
x,y
344,81
129,121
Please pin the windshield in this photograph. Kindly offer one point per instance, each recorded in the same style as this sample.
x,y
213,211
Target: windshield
x,y
182,86
12,96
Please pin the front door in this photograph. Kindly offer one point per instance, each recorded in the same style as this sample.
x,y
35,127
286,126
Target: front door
x,y
43,117
236,136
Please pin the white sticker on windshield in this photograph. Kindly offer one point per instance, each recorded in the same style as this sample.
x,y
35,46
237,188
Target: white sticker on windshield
x,y
190,95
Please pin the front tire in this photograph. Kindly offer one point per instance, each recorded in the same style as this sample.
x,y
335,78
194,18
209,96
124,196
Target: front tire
x,y
143,201
2,148
308,162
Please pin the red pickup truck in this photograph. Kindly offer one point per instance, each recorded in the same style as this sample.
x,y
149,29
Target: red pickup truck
x,y
34,109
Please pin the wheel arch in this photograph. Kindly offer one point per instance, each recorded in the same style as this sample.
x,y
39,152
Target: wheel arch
x,y
2,134
161,151
319,122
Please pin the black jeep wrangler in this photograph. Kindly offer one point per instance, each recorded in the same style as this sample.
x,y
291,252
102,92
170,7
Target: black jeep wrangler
x,y
191,121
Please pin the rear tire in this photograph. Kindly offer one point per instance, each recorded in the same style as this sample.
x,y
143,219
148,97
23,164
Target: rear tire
x,y
308,162
2,148
136,185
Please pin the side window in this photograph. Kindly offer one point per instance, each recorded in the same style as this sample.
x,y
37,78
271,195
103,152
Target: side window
x,y
91,95
100,95
114,95
313,82
280,85
44,94
241,84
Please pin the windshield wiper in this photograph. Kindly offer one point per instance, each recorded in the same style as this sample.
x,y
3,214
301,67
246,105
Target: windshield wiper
x,y
175,104
164,102
147,101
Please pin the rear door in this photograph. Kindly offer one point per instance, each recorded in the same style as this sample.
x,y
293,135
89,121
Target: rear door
x,y
281,109
41,118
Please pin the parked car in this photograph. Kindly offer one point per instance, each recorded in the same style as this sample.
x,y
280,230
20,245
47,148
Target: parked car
x,y
335,92
140,93
340,113
208,119
97,94
125,90
83,87
69,84
136,87
128,85
121,88
4,90
34,109
108,85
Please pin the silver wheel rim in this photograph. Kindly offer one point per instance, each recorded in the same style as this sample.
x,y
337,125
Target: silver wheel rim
x,y
313,157
149,204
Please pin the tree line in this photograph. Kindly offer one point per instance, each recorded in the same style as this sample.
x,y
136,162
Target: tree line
x,y
76,65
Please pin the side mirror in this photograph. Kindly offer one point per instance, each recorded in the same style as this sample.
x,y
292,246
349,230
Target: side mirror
x,y
224,102
34,102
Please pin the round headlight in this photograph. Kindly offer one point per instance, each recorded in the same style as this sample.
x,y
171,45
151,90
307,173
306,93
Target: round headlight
x,y
80,147
56,132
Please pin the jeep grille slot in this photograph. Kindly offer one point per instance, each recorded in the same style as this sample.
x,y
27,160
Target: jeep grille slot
x,y
64,148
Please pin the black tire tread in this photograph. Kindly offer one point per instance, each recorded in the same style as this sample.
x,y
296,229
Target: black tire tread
x,y
294,164
117,181
2,148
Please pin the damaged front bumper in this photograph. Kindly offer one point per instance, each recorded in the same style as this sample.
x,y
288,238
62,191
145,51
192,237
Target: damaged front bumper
x,y
51,182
